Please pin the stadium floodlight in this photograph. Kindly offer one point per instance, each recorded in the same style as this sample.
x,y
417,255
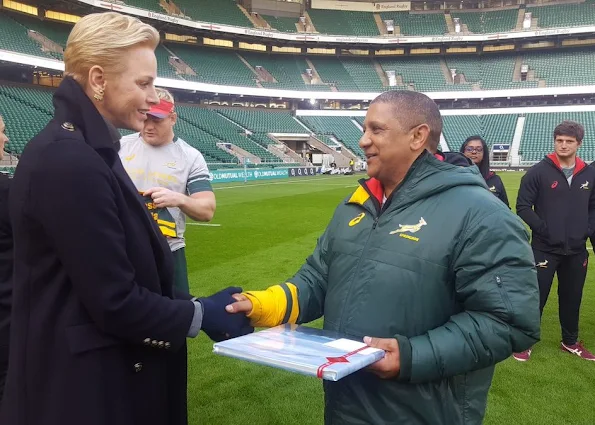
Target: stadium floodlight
x,y
312,102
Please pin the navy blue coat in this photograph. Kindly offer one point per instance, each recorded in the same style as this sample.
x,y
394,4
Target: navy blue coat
x,y
96,335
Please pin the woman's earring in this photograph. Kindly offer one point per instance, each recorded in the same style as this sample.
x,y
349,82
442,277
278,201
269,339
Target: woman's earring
x,y
99,95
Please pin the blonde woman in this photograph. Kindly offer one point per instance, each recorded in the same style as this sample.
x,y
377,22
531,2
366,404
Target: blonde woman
x,y
98,335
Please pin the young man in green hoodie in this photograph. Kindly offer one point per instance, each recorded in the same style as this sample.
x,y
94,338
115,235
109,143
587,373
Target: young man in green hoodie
x,y
423,262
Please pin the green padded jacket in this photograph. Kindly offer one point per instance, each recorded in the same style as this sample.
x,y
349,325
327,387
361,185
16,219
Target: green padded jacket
x,y
446,269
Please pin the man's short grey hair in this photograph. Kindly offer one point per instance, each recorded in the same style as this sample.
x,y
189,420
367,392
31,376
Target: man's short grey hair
x,y
412,109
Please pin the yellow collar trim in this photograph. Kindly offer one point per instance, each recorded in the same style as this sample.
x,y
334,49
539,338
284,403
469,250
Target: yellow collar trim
x,y
360,196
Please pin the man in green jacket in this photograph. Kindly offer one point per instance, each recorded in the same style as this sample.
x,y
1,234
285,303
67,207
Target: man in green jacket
x,y
425,260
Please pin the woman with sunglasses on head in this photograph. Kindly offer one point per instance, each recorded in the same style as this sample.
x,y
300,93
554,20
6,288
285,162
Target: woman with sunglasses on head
x,y
476,149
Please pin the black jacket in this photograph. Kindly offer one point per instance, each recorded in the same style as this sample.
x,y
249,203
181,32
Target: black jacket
x,y
93,283
6,265
496,186
560,216
454,158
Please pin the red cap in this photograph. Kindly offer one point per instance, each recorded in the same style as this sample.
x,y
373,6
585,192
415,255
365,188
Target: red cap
x,y
162,109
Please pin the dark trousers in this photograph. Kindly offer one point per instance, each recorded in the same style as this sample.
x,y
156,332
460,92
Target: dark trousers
x,y
571,271
181,270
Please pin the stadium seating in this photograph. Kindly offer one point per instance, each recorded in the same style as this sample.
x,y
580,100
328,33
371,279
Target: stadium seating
x,y
287,70
331,70
491,72
203,141
488,22
281,23
34,98
56,32
264,121
363,74
538,139
217,11
164,69
494,129
342,128
19,130
418,23
563,68
344,22
424,73
13,37
152,5
564,15
224,131
216,66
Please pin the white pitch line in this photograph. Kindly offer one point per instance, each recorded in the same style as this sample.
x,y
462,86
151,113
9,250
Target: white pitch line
x,y
204,224
283,182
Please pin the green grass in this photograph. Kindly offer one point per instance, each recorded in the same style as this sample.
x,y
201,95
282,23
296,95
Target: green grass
x,y
267,230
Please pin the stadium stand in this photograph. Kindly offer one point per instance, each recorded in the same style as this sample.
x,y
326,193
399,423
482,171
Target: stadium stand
x,y
203,141
13,111
344,22
164,69
538,132
564,15
490,72
494,129
342,128
332,71
563,68
216,66
418,23
281,23
286,70
152,5
13,37
56,32
264,121
224,131
363,74
216,11
423,73
488,22
32,97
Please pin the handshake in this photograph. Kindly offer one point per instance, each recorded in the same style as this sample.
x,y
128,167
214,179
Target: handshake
x,y
220,320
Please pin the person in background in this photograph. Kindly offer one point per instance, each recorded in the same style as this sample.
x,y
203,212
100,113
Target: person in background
x,y
557,201
172,176
6,265
98,332
442,301
476,149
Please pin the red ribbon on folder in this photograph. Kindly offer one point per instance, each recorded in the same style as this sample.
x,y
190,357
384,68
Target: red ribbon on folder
x,y
340,359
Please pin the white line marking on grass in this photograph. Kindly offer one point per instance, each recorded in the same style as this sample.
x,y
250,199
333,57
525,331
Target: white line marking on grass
x,y
283,182
204,224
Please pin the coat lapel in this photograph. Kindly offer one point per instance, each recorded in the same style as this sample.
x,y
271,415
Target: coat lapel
x,y
73,106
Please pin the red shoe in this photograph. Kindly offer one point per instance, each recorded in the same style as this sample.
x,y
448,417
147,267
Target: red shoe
x,y
523,356
578,349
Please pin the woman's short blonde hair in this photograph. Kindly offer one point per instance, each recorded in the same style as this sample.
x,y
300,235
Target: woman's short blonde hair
x,y
102,39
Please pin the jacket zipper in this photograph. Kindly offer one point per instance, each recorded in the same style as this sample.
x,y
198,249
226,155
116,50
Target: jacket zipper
x,y
357,267
566,246
504,296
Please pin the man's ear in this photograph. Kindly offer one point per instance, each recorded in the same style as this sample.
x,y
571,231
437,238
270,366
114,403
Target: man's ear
x,y
421,134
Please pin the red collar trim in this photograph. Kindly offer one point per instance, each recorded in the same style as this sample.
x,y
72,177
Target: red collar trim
x,y
439,157
376,189
579,163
